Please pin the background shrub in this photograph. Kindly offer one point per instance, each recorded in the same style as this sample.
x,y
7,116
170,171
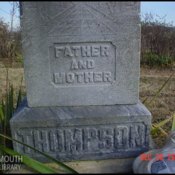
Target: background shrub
x,y
157,42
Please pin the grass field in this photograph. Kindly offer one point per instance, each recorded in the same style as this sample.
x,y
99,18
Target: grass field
x,y
151,80
163,106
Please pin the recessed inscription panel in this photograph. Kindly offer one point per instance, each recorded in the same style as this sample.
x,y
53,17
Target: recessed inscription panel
x,y
82,63
85,141
79,54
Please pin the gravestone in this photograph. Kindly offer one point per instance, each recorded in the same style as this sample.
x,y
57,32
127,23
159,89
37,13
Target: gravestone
x,y
81,53
82,79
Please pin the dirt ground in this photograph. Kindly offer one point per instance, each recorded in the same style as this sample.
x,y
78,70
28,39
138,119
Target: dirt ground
x,y
151,80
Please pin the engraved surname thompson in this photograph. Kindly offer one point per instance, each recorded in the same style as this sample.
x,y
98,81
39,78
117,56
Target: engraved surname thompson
x,y
83,63
86,139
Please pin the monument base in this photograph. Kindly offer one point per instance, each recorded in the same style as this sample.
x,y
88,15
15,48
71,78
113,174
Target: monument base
x,y
83,132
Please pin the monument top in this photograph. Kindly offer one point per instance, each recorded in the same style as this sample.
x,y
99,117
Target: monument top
x,y
81,53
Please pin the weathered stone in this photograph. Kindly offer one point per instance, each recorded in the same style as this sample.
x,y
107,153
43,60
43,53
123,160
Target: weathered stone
x,y
82,133
81,53
82,77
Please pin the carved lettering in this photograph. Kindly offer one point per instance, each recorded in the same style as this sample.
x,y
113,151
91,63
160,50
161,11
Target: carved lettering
x,y
58,51
86,51
136,132
121,137
106,138
82,77
74,65
56,140
68,52
82,51
107,77
73,140
90,64
83,63
105,50
78,140
98,77
95,51
88,76
59,78
76,49
28,139
41,140
70,77
90,139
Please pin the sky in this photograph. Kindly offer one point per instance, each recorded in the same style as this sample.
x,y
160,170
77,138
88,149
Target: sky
x,y
162,9
5,11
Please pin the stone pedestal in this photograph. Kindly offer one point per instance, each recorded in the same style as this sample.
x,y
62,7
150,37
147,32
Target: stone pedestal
x,y
81,53
82,84
82,133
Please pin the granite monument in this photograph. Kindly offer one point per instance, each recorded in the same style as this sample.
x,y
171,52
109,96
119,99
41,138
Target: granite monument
x,y
82,79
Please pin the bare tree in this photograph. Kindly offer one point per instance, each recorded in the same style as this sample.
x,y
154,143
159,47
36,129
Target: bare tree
x,y
14,7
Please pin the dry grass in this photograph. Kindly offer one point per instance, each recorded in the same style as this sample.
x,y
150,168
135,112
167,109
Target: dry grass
x,y
15,77
164,105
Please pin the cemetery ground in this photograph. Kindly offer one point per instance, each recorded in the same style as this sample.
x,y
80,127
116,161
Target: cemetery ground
x,y
152,79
